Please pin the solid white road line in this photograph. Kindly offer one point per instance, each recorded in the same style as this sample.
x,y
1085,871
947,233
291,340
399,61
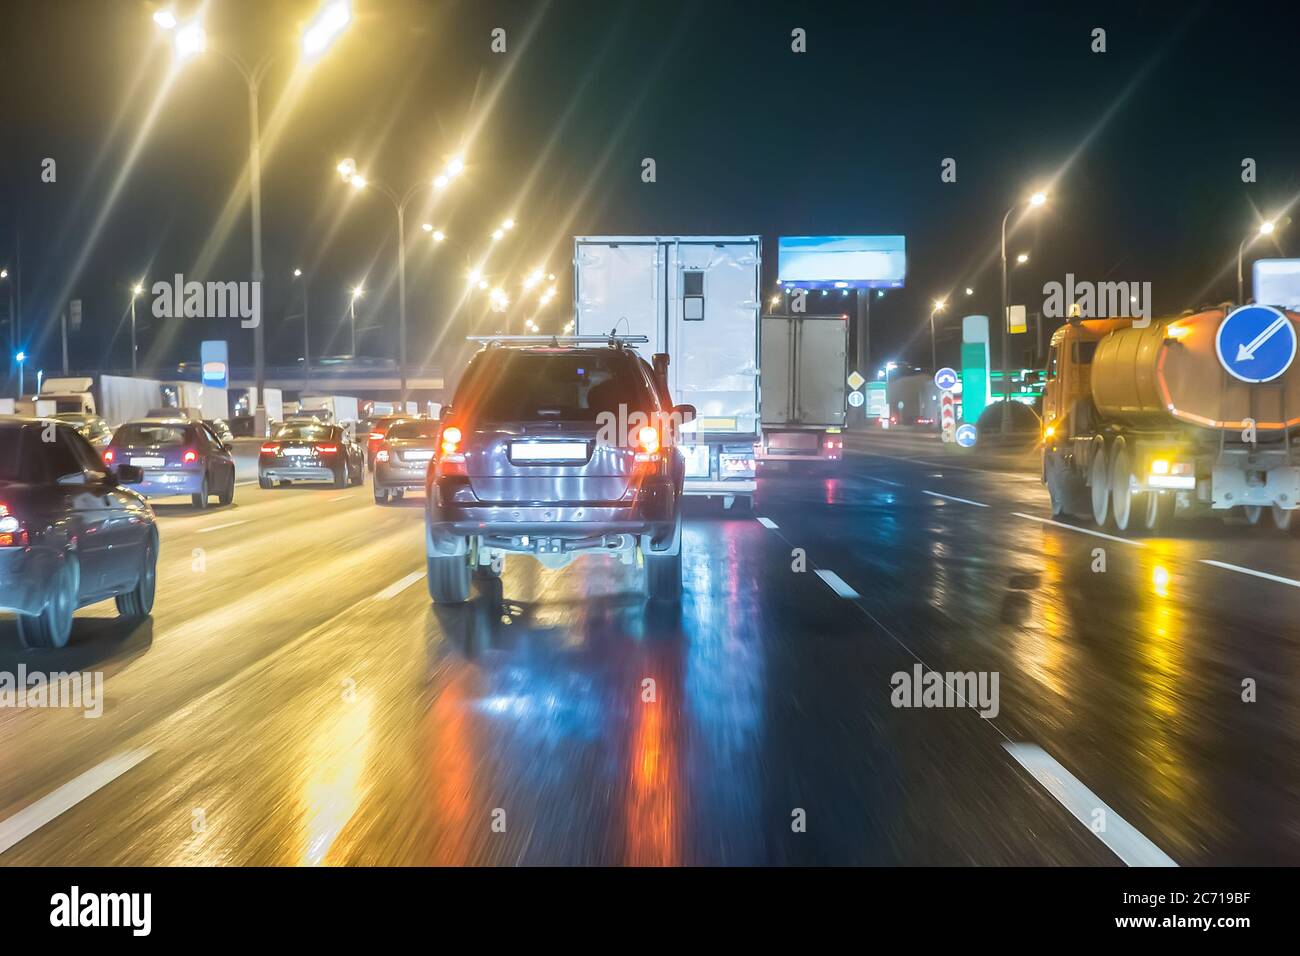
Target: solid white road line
x,y
837,584
884,481
34,816
1071,527
1259,574
965,501
398,586
768,523
340,497
1120,837
218,527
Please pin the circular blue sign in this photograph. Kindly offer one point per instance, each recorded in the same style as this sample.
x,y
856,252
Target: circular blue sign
x,y
1256,343
966,435
945,379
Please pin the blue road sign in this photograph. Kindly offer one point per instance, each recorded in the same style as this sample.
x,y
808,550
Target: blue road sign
x,y
966,435
1256,343
945,379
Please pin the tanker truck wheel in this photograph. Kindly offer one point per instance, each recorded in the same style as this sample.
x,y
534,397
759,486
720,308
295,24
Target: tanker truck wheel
x,y
1160,510
1281,518
1121,485
1064,489
1099,484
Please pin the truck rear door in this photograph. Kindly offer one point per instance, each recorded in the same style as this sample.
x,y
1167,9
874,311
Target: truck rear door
x,y
821,371
618,287
777,381
713,333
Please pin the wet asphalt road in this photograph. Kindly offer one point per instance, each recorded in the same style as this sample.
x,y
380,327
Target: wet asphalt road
x,y
296,699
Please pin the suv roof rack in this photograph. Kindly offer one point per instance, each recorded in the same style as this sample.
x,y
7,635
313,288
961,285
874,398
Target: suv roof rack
x,y
611,339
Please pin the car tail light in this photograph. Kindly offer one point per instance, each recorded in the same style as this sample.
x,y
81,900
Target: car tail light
x,y
451,437
190,457
328,449
647,441
270,448
12,532
381,455
109,454
376,436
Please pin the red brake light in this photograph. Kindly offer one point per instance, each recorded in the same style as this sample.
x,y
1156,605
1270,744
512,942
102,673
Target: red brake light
x,y
190,457
376,436
327,449
648,438
108,456
12,533
270,448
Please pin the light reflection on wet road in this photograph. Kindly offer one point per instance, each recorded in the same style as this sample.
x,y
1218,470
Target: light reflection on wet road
x,y
295,717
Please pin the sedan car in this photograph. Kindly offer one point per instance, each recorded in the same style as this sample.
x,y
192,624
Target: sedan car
x,y
179,457
378,431
556,452
308,450
71,532
402,460
91,427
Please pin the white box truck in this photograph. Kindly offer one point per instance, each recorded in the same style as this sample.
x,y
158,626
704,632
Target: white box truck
x,y
123,399
697,299
339,409
805,370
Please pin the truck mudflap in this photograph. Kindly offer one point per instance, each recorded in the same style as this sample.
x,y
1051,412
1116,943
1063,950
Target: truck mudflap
x,y
1255,483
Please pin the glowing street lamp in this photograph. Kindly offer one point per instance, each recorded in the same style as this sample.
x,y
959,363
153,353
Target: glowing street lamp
x,y
939,306
137,290
1022,258
1035,201
191,39
1266,228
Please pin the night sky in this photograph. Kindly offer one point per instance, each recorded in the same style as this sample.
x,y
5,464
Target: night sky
x,y
1147,140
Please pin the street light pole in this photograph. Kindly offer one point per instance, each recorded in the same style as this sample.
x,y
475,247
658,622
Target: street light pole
x,y
939,305
255,196
1037,199
401,298
133,349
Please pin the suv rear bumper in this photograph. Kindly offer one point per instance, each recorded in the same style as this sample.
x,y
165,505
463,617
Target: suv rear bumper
x,y
453,513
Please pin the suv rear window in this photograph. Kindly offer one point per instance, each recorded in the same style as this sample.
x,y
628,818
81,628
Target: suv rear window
x,y
147,434
518,386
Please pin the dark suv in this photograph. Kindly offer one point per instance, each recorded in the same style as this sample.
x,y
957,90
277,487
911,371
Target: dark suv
x,y
556,452
71,532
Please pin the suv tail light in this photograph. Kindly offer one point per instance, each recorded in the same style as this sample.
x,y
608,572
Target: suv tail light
x,y
12,532
270,448
190,457
647,440
109,454
451,460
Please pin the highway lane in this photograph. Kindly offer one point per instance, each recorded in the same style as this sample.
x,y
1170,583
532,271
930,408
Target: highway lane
x,y
296,699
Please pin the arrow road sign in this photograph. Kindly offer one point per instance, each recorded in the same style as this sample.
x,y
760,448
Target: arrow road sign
x,y
1256,343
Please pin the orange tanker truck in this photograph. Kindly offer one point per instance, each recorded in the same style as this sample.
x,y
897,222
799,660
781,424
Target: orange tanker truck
x,y
1184,416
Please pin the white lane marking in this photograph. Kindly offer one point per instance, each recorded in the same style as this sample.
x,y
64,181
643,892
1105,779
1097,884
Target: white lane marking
x,y
1259,574
398,586
219,527
884,481
837,584
768,523
1071,527
965,501
340,497
34,816
1120,836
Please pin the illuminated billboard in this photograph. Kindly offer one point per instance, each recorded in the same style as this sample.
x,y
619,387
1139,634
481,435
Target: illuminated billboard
x,y
841,262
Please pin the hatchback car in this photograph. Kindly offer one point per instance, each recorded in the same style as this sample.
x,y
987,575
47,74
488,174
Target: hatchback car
x,y
378,431
308,450
71,532
179,457
402,460
556,452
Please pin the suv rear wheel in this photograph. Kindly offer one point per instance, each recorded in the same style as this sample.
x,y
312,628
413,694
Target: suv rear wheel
x,y
663,569
449,578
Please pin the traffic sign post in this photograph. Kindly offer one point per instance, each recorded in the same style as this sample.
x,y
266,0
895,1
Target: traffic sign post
x,y
856,399
1256,343
945,379
855,380
966,435
947,413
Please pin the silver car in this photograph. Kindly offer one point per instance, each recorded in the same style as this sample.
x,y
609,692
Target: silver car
x,y
556,452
